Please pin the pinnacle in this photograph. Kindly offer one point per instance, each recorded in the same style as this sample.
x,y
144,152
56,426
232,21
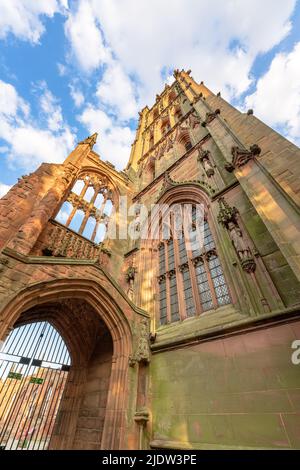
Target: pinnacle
x,y
91,140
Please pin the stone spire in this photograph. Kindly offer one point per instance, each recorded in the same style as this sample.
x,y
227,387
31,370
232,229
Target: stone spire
x,y
91,140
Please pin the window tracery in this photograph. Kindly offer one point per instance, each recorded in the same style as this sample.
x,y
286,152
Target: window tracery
x,y
191,279
88,207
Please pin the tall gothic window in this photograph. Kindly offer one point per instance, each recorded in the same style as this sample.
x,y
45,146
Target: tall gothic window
x,y
88,207
184,140
191,279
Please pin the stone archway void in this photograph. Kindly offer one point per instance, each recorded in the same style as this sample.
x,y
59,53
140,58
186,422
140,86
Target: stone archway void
x,y
93,411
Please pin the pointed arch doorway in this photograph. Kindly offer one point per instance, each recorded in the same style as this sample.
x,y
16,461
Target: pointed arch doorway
x,y
35,363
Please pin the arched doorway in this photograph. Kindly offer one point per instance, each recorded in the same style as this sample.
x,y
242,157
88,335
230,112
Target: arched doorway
x,y
80,418
95,411
35,362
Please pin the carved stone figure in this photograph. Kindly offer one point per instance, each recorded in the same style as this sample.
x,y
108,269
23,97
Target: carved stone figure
x,y
238,241
204,159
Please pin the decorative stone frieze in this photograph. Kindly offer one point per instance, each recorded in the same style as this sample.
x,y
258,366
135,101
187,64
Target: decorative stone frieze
x,y
241,156
210,117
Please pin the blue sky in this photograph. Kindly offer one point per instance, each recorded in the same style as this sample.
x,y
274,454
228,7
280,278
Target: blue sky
x,y
69,68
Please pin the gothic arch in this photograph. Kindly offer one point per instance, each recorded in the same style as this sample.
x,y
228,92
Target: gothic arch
x,y
33,298
90,170
176,192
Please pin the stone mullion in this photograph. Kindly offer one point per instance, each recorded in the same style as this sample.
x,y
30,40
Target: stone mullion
x,y
192,268
84,189
83,223
100,212
99,215
155,321
210,282
70,218
88,213
179,281
168,297
195,290
74,210
95,230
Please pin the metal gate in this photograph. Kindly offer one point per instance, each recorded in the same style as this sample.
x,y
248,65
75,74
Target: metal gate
x,y
33,372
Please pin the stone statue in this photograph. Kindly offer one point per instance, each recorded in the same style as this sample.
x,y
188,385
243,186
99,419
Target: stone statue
x,y
238,241
143,351
208,167
130,276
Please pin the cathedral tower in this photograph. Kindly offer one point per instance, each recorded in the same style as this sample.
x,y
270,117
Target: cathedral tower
x,y
171,344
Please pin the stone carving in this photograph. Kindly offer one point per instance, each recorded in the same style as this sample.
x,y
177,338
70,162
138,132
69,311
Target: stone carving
x,y
169,183
130,277
210,117
91,140
141,416
3,263
228,218
194,120
204,158
238,241
226,213
241,156
59,241
137,220
142,353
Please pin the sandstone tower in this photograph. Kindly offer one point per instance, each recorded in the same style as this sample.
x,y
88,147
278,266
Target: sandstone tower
x,y
170,347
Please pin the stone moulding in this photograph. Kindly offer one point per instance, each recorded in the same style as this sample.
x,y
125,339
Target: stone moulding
x,y
72,261
169,183
233,327
142,416
210,117
248,265
241,156
174,165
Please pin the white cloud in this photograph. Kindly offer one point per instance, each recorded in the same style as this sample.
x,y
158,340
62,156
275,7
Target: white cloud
x,y
62,69
29,144
50,108
116,90
4,188
10,101
76,95
86,37
114,141
24,18
218,40
277,97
